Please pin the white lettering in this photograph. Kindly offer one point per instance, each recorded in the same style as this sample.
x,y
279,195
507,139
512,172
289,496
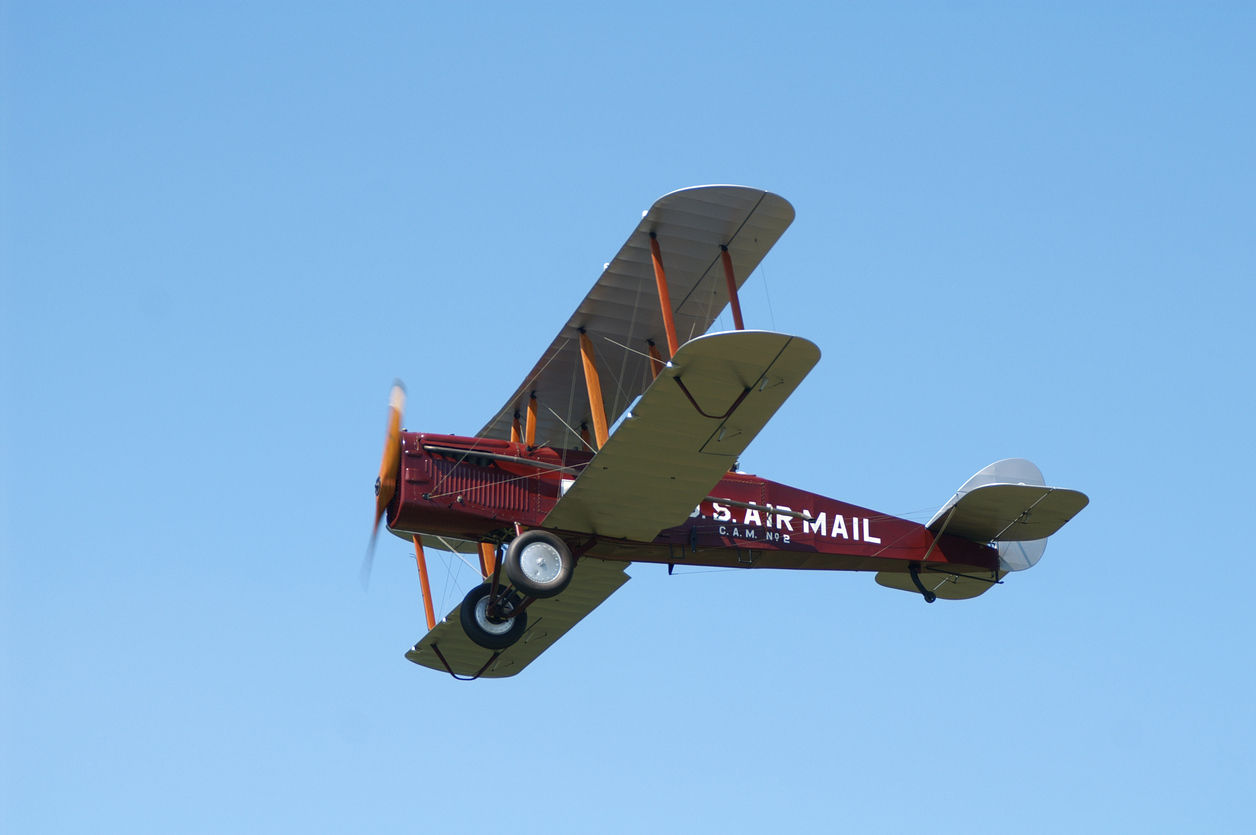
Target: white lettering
x,y
751,513
868,537
854,528
839,526
819,525
722,513
784,520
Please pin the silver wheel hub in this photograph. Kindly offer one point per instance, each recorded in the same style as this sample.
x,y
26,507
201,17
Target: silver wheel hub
x,y
540,563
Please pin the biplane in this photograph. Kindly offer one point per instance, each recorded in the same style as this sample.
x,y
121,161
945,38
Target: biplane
x,y
622,445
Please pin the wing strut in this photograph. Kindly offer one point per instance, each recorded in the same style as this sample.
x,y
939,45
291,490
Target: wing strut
x,y
488,558
530,435
665,299
656,362
424,585
595,389
731,279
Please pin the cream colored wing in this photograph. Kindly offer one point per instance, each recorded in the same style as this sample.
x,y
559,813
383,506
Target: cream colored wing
x,y
548,620
622,310
685,433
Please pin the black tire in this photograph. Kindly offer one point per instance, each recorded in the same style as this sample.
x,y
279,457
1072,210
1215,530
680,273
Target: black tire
x,y
539,564
472,615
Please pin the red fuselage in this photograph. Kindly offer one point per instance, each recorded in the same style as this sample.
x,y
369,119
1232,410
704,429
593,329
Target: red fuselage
x,y
478,489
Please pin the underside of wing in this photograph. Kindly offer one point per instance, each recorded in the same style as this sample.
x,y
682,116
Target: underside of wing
x,y
549,619
622,314
683,436
439,543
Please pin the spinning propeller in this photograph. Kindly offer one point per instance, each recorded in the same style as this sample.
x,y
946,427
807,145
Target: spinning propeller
x,y
386,483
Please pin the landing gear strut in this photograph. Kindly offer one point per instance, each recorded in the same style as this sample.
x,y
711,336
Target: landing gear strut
x,y
538,564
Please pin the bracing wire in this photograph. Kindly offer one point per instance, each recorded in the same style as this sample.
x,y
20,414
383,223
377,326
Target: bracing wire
x,y
569,429
763,272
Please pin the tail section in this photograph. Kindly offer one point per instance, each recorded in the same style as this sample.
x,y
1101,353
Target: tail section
x,y
1007,504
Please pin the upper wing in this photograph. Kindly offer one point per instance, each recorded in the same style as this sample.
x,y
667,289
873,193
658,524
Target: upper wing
x,y
667,456
622,310
548,620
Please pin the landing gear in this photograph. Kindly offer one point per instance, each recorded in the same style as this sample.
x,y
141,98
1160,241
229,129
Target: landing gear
x,y
539,564
496,631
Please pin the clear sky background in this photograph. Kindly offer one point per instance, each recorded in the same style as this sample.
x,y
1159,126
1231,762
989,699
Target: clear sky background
x,y
1023,230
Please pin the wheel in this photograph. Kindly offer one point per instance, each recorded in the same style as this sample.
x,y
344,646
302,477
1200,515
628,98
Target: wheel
x,y
491,633
539,564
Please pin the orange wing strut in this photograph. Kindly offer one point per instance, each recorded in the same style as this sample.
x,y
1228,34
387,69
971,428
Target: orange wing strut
x,y
427,589
584,434
488,559
732,288
656,362
595,389
530,435
665,300
516,432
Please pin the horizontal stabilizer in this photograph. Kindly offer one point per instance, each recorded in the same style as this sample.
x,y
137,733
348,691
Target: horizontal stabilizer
x,y
549,619
1010,512
947,585
684,435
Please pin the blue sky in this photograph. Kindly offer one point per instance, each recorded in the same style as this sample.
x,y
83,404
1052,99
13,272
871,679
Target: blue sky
x,y
1023,230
